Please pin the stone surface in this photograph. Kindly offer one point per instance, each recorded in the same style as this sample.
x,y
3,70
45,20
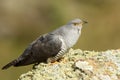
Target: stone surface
x,y
79,65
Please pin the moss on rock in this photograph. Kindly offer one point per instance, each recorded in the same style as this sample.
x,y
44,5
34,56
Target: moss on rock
x,y
79,65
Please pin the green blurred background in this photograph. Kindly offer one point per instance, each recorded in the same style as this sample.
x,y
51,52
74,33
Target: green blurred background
x,y
22,21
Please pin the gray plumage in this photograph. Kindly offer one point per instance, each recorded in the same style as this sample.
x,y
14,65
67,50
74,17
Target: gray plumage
x,y
51,46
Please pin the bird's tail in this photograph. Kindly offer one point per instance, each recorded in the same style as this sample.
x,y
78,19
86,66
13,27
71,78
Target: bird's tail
x,y
12,63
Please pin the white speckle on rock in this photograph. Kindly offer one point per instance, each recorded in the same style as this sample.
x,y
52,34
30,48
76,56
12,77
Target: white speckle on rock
x,y
84,65
104,77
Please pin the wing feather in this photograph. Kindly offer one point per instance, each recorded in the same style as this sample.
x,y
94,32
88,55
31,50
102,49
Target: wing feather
x,y
40,50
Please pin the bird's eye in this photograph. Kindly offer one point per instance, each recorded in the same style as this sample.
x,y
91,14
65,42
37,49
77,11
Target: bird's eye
x,y
75,24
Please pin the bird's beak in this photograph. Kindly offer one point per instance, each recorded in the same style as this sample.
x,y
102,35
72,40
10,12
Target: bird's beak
x,y
84,22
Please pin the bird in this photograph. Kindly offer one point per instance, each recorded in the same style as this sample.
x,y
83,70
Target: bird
x,y
51,46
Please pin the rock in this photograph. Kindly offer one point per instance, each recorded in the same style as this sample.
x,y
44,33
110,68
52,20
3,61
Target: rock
x,y
79,65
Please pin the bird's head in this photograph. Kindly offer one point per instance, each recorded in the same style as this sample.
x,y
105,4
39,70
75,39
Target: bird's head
x,y
77,22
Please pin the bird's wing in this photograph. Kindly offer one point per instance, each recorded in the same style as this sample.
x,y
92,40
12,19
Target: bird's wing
x,y
41,49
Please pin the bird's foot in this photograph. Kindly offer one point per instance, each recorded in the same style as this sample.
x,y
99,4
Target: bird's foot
x,y
51,61
62,59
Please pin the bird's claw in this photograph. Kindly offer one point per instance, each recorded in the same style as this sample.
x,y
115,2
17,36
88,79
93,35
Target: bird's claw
x,y
51,60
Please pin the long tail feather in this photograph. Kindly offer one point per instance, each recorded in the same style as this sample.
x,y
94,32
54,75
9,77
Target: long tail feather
x,y
9,64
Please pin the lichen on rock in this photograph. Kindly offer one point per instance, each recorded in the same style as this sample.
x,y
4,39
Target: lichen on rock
x,y
79,65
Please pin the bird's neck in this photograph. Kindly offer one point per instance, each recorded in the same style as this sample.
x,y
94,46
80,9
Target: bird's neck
x,y
71,37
